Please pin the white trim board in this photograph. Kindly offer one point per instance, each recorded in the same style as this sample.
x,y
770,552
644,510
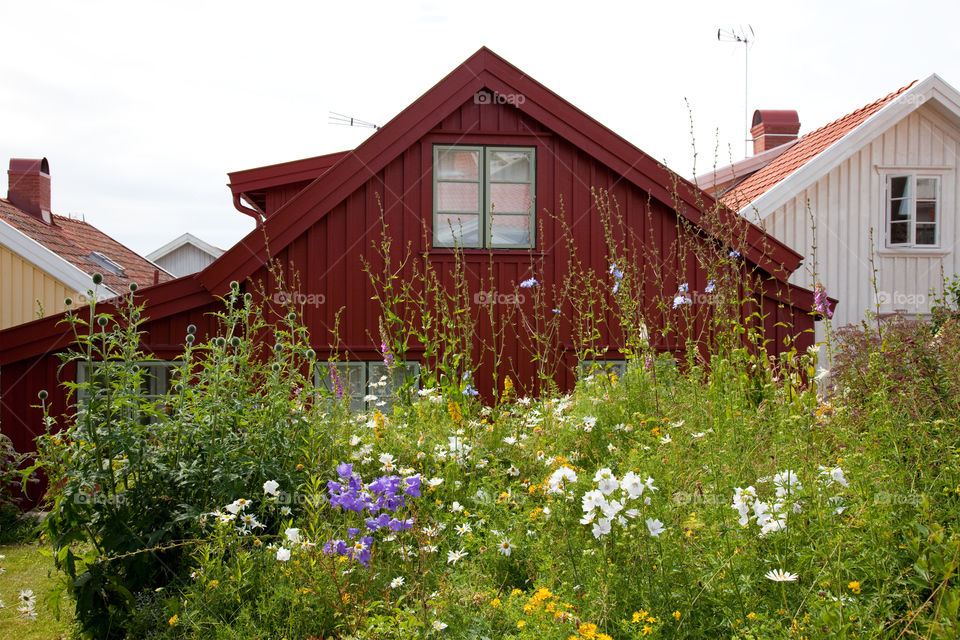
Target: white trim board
x,y
46,260
185,239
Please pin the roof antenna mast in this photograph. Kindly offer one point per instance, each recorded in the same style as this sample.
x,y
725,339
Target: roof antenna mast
x,y
746,38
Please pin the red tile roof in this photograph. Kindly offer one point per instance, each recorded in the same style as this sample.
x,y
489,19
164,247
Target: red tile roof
x,y
805,150
75,240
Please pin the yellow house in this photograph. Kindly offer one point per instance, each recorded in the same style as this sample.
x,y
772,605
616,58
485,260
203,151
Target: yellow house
x,y
45,258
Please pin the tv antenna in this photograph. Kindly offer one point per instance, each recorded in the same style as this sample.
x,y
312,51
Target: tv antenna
x,y
348,121
746,38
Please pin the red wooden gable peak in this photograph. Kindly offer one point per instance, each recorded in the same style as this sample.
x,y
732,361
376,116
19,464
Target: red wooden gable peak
x,y
484,70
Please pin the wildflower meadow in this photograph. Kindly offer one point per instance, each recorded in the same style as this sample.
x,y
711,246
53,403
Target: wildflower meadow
x,y
696,495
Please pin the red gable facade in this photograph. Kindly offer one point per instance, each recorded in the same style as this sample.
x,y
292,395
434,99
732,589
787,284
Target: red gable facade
x,y
486,138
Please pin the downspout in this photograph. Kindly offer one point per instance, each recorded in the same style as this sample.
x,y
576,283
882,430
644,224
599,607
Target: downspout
x,y
254,212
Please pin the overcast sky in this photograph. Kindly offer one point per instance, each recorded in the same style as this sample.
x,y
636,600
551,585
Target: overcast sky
x,y
142,108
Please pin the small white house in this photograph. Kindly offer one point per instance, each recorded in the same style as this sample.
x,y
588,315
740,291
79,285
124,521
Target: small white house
x,y
875,191
185,255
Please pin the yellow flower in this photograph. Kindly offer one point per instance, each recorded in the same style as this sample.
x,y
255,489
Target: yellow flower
x,y
174,621
854,586
751,616
515,592
495,603
647,630
676,615
521,624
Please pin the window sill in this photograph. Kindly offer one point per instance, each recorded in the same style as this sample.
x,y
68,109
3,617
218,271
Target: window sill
x,y
912,252
472,253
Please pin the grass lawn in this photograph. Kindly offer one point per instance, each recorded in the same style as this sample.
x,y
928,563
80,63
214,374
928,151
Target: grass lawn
x,y
26,568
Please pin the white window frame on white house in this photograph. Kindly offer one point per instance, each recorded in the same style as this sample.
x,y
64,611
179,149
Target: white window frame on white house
x,y
357,376
485,212
907,207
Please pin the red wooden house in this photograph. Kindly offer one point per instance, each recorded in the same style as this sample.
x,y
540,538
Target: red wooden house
x,y
487,154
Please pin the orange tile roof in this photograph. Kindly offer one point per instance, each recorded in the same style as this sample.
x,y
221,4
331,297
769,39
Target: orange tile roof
x,y
805,150
74,240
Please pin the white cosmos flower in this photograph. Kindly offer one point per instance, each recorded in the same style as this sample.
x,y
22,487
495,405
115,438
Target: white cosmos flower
x,y
396,583
601,528
510,440
632,485
786,482
271,487
237,505
612,508
779,575
439,626
513,471
504,547
435,482
607,483
463,529
559,478
283,554
592,500
655,526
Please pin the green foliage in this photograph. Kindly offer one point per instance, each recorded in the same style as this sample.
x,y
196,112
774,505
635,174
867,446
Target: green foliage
x,y
134,472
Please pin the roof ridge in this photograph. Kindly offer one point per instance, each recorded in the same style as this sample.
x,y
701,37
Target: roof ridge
x,y
875,103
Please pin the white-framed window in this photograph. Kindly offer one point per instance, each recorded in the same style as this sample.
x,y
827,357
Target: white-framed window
x,y
155,382
913,203
592,367
484,196
362,379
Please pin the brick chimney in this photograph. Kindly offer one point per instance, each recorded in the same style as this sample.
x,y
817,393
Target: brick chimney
x,y
772,128
28,187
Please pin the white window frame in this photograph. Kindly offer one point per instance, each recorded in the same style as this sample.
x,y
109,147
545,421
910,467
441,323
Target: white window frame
x,y
158,379
365,372
592,367
911,224
484,214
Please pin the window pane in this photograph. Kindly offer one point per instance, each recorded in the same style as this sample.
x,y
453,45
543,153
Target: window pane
x,y
900,187
458,196
927,188
513,166
351,375
899,233
510,198
926,211
464,226
926,234
513,230
458,164
899,210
